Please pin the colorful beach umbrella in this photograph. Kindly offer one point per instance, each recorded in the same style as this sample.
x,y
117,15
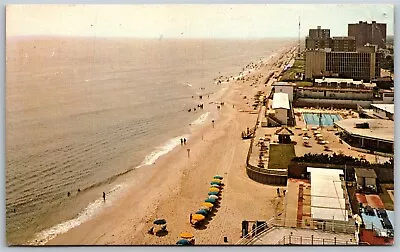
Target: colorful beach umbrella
x,y
215,183
213,196
207,204
187,235
202,212
198,217
213,193
213,189
183,242
205,208
210,200
218,177
160,222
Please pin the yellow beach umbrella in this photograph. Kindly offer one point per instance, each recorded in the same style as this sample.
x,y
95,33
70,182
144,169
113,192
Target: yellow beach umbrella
x,y
214,189
216,180
207,204
187,235
198,217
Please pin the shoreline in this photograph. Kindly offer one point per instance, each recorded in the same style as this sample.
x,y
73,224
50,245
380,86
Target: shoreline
x,y
158,174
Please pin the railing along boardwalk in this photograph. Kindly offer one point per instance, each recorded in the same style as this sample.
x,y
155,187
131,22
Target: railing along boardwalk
x,y
311,240
323,226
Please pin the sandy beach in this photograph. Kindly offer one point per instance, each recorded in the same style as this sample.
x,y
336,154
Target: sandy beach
x,y
176,184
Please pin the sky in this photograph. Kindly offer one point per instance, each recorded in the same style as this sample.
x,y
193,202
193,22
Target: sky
x,y
190,21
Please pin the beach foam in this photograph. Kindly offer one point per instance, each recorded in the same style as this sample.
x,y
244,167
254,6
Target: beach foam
x,y
89,212
200,120
162,150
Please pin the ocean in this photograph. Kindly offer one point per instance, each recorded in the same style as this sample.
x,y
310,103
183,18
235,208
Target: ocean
x,y
82,114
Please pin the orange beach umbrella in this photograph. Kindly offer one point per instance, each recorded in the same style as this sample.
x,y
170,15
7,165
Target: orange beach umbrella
x,y
198,217
187,235
207,204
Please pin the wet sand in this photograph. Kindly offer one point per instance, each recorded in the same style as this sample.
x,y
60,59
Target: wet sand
x,y
177,184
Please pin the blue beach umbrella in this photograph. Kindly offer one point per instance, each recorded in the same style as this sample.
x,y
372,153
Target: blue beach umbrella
x,y
212,193
218,177
211,200
160,222
215,183
202,212
183,242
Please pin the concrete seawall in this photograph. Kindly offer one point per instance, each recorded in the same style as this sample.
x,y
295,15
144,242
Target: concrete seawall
x,y
261,175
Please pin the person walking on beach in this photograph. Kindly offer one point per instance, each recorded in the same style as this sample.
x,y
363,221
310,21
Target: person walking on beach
x,y
277,191
212,123
104,196
184,141
181,141
190,218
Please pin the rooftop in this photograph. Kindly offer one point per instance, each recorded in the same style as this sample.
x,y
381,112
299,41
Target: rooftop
x,y
385,107
365,173
280,100
344,38
284,131
378,128
338,80
327,197
282,83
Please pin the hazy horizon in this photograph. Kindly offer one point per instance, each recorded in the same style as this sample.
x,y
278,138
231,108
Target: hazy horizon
x,y
220,21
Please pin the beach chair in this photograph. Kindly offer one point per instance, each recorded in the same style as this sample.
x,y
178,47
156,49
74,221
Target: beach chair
x,y
164,228
151,231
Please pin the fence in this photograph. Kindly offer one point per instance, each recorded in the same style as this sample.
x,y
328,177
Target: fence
x,y
311,240
325,226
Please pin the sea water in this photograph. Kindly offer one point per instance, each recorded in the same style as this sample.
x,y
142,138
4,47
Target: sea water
x,y
82,112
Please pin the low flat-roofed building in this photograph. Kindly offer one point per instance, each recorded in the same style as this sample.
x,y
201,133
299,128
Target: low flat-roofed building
x,y
281,105
385,111
284,87
327,195
343,83
365,178
335,93
371,134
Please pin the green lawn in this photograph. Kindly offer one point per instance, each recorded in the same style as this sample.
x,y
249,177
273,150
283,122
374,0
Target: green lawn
x,y
280,155
298,67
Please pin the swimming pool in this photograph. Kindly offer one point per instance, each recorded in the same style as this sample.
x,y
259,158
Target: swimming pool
x,y
326,119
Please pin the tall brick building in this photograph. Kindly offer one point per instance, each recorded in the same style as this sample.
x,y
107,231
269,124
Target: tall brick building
x,y
374,33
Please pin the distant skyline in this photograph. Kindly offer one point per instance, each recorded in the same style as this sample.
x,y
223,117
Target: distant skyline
x,y
191,21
